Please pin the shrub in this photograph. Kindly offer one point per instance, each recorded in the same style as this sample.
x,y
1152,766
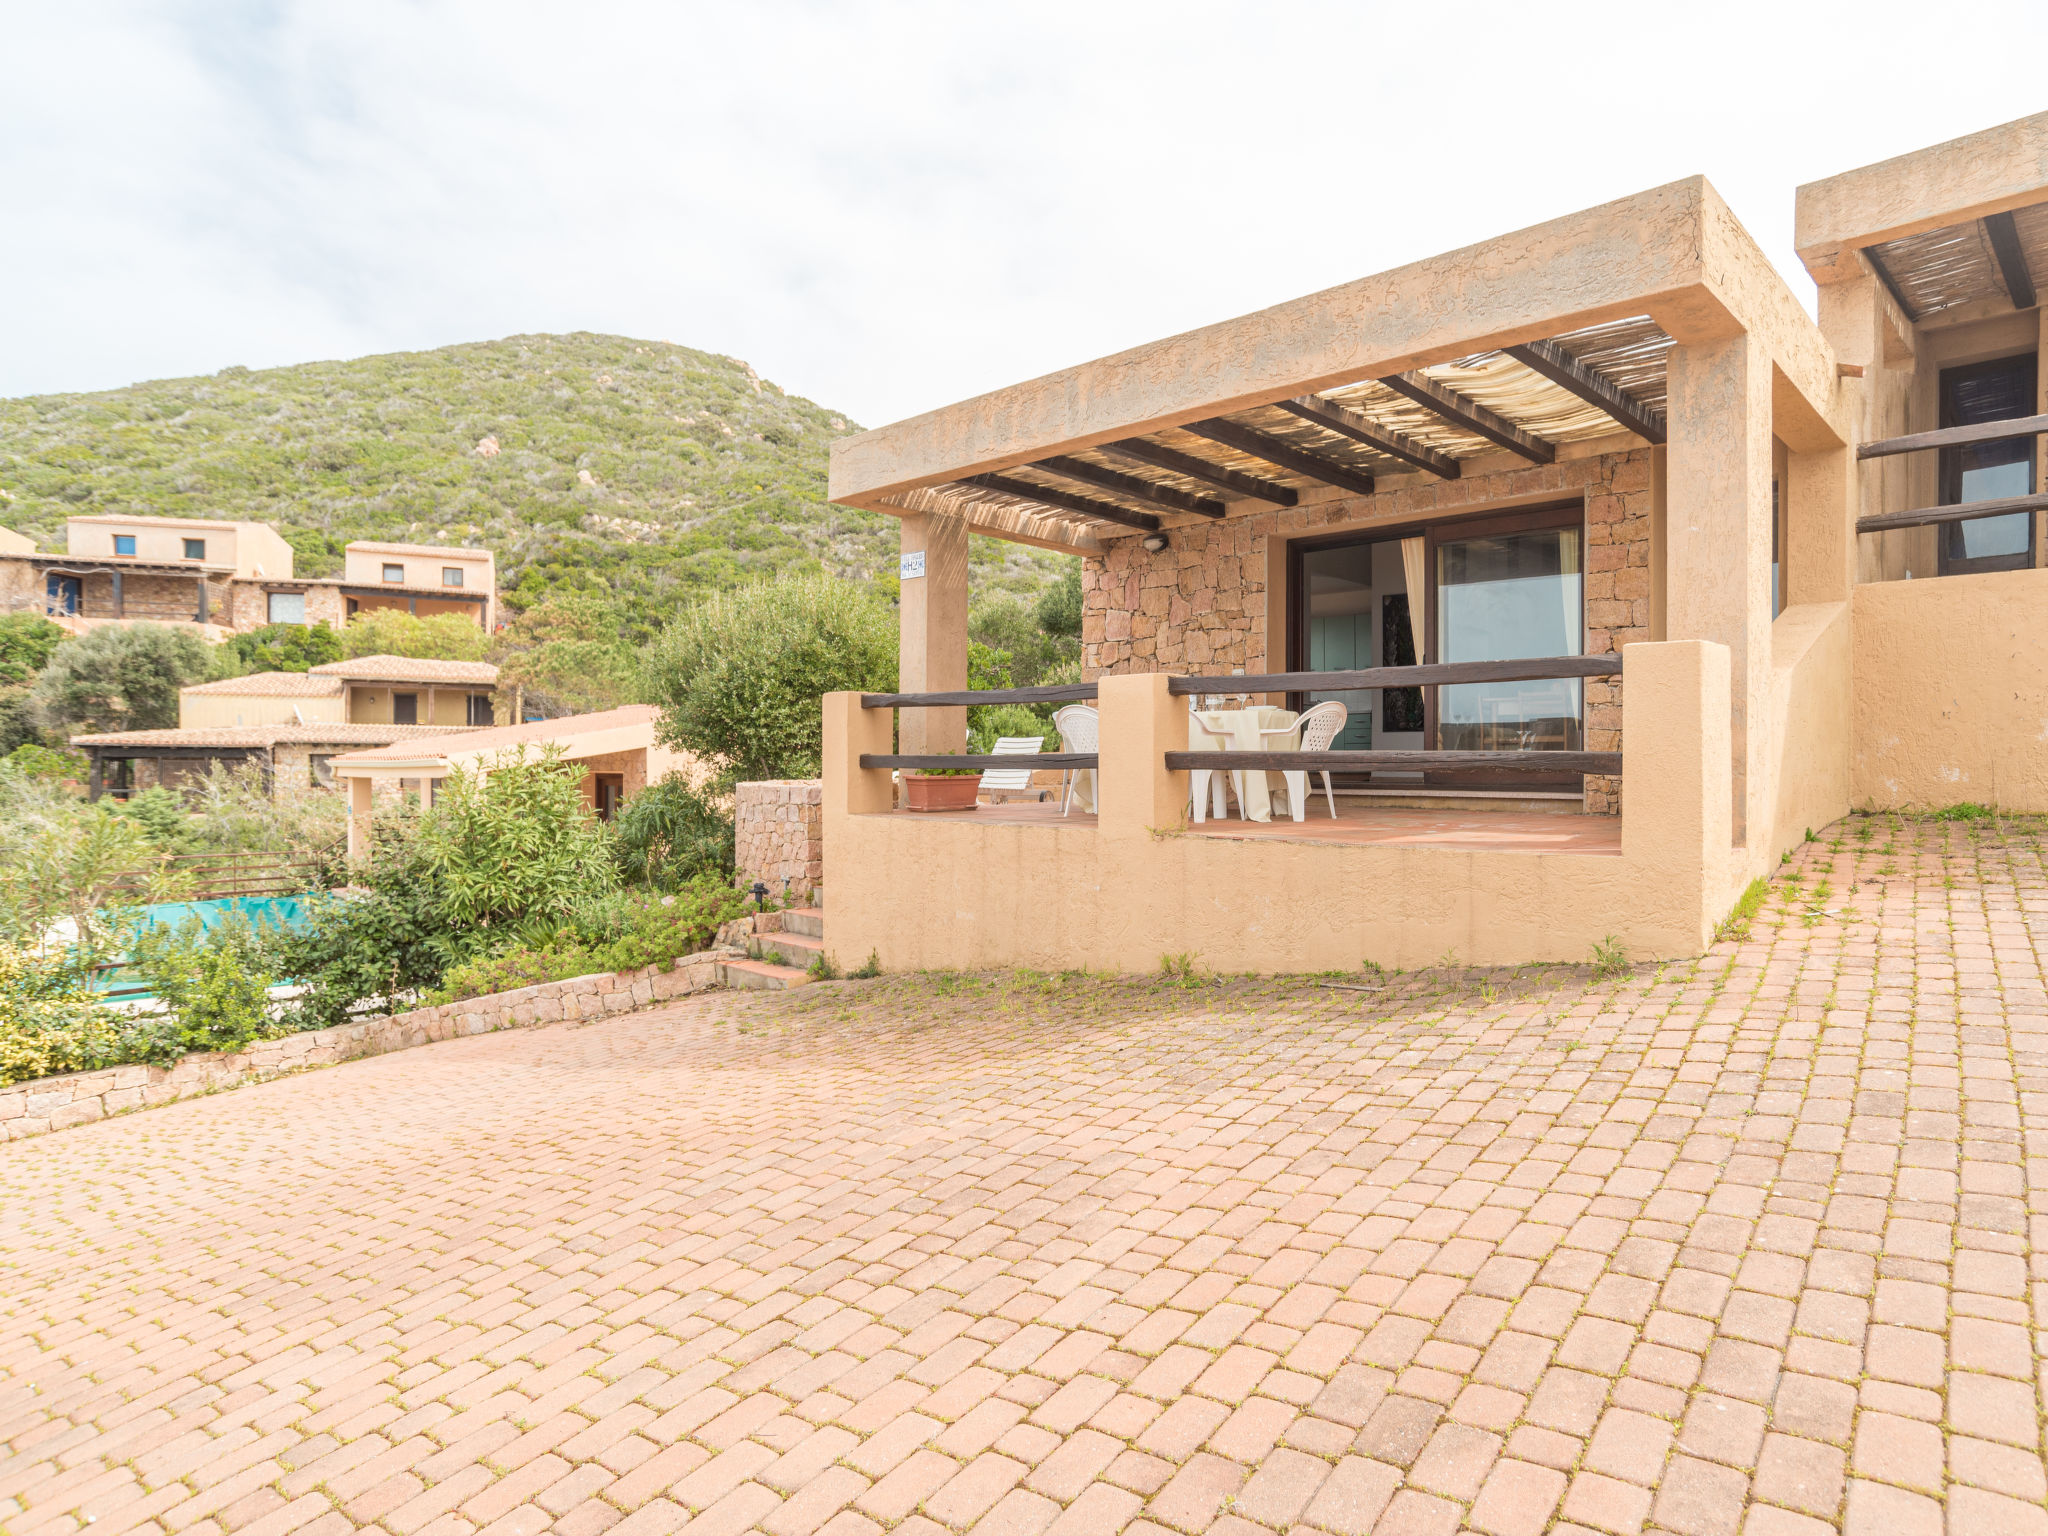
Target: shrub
x,y
214,983
516,845
279,648
51,1020
121,679
379,943
387,632
995,721
740,676
62,858
644,929
673,831
41,762
27,641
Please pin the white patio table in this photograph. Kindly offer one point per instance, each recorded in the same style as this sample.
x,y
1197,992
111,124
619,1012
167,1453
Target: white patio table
x,y
1242,728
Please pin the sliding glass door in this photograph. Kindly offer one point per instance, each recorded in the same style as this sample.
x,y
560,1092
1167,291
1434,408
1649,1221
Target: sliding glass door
x,y
1498,588
1505,590
1986,392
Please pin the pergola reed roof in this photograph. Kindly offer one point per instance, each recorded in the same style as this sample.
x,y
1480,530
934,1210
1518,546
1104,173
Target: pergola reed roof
x,y
1628,356
1960,264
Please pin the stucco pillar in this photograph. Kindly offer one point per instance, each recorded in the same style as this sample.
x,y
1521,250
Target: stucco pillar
x,y
1675,785
849,789
1820,526
1718,543
1141,723
358,818
933,630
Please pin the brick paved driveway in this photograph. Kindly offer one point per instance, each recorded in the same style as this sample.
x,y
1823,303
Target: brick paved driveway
x,y
1744,1244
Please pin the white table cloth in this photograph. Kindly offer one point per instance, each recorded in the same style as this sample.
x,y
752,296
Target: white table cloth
x,y
1241,728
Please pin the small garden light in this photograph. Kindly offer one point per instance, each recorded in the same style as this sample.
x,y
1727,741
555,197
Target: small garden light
x,y
760,894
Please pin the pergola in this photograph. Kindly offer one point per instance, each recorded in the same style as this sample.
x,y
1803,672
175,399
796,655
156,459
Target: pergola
x,y
1654,316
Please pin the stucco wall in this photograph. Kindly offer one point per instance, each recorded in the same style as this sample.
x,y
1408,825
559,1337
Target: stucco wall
x,y
1202,605
1811,719
1951,692
932,891
201,711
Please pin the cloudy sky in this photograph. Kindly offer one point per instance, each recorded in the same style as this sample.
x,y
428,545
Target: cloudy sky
x,y
884,207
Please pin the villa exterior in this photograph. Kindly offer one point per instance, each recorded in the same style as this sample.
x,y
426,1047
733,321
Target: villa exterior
x,y
225,577
1627,571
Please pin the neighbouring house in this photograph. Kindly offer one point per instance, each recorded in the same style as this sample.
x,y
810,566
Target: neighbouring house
x,y
229,576
616,748
1626,570
292,723
293,757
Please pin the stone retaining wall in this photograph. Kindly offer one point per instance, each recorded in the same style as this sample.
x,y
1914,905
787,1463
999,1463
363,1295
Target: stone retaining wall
x,y
779,835
53,1103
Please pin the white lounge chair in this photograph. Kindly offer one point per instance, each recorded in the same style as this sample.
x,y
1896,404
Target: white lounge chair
x,y
1011,780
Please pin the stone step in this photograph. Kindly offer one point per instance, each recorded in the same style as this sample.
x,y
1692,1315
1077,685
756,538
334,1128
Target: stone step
x,y
761,976
809,920
790,948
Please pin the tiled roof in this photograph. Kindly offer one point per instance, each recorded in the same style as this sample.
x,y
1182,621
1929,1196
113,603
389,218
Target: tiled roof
x,y
274,685
366,547
532,733
317,733
408,669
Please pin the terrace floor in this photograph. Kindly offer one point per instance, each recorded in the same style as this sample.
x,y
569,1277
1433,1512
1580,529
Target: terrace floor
x,y
1358,822
1742,1244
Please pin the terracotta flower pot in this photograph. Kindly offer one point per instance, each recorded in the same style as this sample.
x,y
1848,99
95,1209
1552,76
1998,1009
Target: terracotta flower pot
x,y
940,791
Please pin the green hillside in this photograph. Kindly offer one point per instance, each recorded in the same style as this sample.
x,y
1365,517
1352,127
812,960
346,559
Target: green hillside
x,y
647,471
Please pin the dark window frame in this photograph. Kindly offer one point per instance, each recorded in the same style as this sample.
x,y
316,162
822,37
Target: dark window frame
x,y
195,549
1951,467
399,579
411,703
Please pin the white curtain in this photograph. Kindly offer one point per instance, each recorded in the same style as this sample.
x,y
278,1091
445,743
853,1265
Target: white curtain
x,y
1412,566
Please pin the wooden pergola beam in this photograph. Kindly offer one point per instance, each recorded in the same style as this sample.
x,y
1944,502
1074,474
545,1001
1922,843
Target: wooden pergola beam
x,y
1222,476
1568,373
1273,450
1133,486
1361,428
1469,415
2004,236
1891,284
1046,495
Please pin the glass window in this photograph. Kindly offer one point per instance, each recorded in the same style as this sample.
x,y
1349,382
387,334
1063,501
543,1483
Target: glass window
x,y
321,766
1985,392
451,575
195,549
287,607
124,543
394,573
405,709
1338,590
1501,597
479,709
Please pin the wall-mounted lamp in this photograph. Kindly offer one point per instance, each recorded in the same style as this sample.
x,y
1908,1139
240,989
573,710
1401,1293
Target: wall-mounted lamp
x,y
1154,542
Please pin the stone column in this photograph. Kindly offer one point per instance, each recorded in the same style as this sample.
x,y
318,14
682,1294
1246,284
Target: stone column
x,y
1718,543
933,630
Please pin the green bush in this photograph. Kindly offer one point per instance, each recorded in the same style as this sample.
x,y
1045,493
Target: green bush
x,y
740,676
644,929
121,679
377,944
516,846
41,762
27,641
51,1019
213,983
673,831
278,648
995,721
388,632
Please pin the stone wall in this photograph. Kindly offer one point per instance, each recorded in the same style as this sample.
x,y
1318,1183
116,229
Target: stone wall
x,y
1201,605
53,1103
779,834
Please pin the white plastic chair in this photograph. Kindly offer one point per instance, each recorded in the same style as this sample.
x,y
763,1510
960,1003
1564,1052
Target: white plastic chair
x,y
1011,779
1080,728
1319,727
1205,782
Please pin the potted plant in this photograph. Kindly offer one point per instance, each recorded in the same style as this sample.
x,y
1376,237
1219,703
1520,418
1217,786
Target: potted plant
x,y
941,789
